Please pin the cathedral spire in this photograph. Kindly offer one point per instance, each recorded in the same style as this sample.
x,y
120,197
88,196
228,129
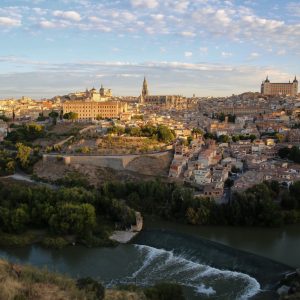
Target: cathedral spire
x,y
145,91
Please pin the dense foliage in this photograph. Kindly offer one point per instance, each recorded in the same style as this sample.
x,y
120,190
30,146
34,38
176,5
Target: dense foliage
x,y
82,211
161,133
254,207
7,163
290,153
26,133
164,291
222,117
65,211
23,157
70,116
93,289
227,138
54,115
4,118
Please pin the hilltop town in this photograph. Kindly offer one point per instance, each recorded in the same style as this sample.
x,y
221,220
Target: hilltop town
x,y
214,145
87,167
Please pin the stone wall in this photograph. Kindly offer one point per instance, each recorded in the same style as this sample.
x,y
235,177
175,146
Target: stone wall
x,y
144,163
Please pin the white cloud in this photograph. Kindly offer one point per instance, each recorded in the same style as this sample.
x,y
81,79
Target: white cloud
x,y
67,15
254,55
281,52
129,75
223,17
294,8
181,6
145,3
158,17
9,22
208,19
163,77
188,34
226,54
188,54
47,24
128,16
203,49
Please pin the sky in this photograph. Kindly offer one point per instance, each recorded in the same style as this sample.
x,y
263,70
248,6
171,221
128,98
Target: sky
x,y
185,47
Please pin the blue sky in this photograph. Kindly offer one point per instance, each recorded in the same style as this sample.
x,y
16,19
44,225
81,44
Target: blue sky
x,y
202,47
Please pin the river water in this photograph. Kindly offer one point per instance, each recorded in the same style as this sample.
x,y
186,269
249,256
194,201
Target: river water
x,y
210,262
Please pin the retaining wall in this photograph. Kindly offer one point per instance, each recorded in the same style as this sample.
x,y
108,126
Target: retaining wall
x,y
118,162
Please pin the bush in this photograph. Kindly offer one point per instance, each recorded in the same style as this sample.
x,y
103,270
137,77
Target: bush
x,y
15,240
54,242
94,290
165,291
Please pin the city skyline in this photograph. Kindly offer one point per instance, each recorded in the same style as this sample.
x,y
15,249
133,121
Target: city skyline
x,y
207,48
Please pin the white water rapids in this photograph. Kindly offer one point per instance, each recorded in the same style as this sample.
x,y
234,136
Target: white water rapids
x,y
157,265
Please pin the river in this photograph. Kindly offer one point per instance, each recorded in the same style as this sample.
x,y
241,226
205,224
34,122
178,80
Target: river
x,y
210,262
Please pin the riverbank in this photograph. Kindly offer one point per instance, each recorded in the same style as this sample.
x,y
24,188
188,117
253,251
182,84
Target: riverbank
x,y
44,239
289,287
124,237
205,270
25,282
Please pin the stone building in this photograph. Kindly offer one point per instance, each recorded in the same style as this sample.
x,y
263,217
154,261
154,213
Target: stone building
x,y
92,95
164,101
91,110
243,110
277,89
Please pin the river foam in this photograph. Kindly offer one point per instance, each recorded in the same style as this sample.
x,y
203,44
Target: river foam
x,y
156,265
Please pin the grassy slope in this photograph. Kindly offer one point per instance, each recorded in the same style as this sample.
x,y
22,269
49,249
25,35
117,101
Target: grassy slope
x,y
26,282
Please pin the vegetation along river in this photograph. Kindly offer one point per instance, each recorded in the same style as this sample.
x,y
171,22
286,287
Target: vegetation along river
x,y
210,262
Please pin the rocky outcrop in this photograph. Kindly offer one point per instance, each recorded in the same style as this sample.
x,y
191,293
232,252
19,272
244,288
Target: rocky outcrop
x,y
290,286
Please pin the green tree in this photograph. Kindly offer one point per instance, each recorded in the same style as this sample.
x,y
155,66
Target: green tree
x,y
70,116
223,139
54,115
165,134
93,289
73,218
229,183
280,137
197,132
19,219
294,154
23,155
284,152
4,118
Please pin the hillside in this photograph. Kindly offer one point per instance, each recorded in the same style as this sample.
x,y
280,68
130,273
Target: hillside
x,y
18,282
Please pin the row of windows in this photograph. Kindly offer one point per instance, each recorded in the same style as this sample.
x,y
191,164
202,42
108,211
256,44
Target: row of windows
x,y
91,107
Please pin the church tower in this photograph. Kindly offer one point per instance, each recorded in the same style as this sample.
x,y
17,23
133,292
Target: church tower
x,y
266,87
295,87
102,91
145,91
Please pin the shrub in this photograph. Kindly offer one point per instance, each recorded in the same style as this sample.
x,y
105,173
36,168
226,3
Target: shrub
x,y
94,290
54,242
165,291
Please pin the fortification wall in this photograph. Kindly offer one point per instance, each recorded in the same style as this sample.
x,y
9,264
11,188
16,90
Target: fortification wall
x,y
118,162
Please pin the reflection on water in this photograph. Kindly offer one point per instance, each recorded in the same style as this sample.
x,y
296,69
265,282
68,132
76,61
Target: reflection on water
x,y
280,244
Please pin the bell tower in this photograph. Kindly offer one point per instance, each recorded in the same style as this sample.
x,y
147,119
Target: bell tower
x,y
145,91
